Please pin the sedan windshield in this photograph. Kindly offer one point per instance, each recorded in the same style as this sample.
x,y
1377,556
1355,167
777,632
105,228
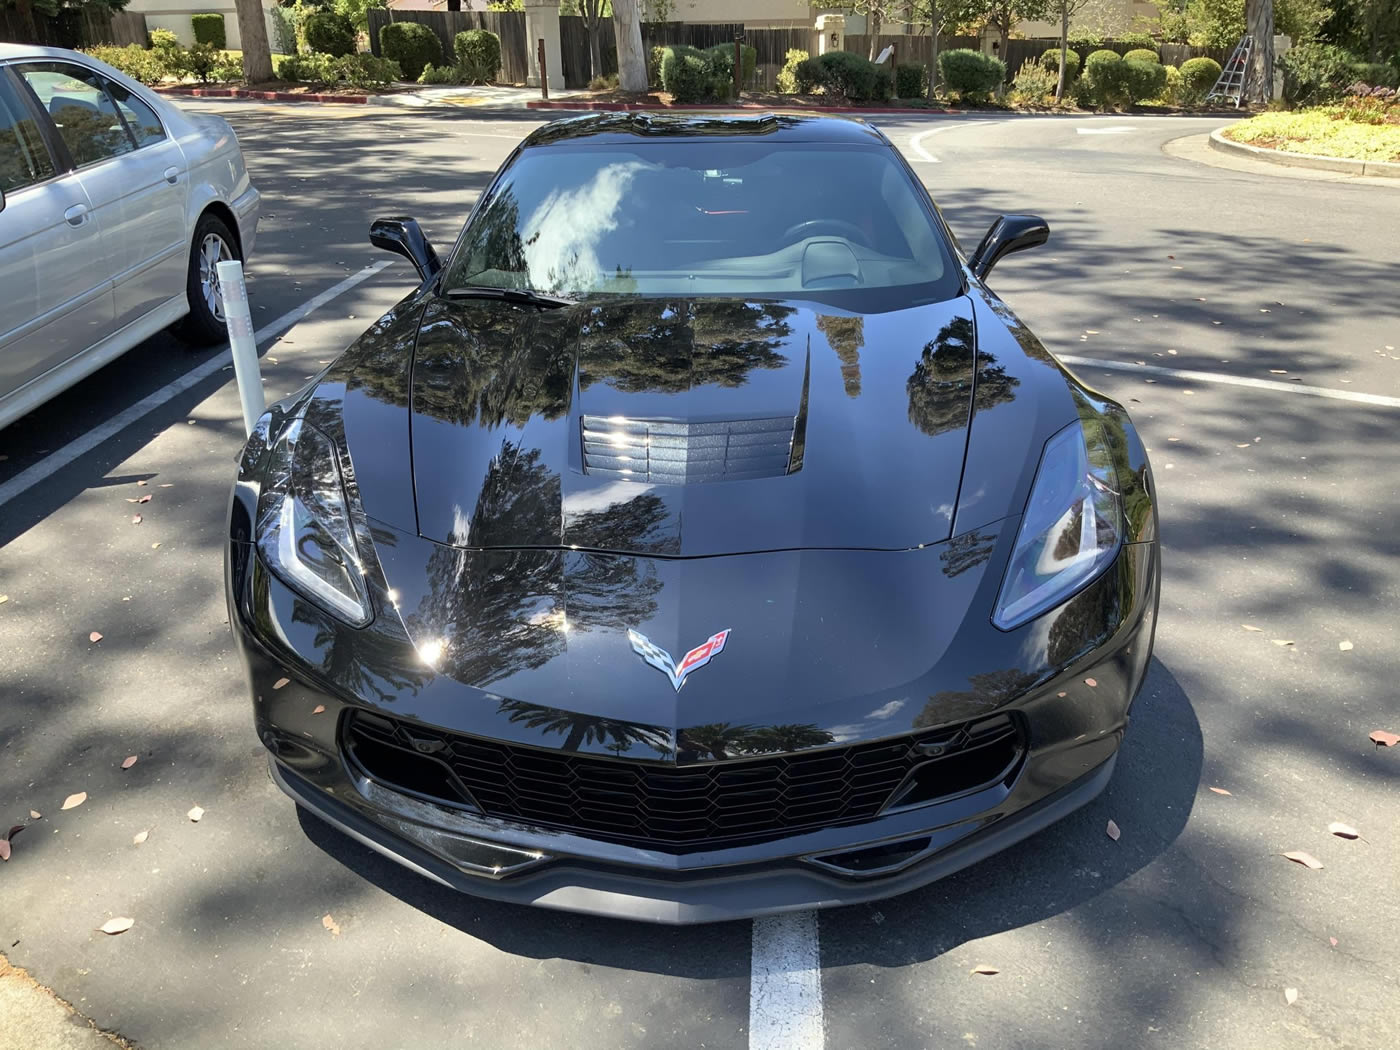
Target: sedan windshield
x,y
707,217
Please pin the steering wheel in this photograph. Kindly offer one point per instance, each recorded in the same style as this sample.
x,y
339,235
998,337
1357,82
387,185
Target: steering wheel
x,y
811,227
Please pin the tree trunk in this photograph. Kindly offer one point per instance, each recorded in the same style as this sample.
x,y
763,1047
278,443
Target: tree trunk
x,y
595,50
252,27
1064,48
872,26
631,59
1259,23
933,54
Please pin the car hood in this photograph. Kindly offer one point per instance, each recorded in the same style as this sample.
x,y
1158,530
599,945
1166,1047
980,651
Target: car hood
x,y
689,427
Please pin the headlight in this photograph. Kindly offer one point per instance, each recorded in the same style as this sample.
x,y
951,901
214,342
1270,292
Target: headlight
x,y
304,531
1072,527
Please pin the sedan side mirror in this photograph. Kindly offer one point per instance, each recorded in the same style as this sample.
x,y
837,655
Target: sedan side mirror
x,y
403,236
1010,233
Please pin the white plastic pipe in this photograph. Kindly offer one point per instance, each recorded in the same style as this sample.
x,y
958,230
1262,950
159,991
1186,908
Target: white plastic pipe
x,y
241,341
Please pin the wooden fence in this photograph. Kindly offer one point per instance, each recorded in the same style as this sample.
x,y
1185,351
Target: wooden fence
x,y
74,28
508,25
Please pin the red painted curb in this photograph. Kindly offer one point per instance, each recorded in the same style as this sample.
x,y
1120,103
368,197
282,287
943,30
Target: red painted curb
x,y
631,107
266,96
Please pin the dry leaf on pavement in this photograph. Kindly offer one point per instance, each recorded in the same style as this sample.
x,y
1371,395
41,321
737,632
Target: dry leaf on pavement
x,y
318,709
74,800
1343,831
140,837
1384,738
145,499
1113,831
136,519
1345,647
119,925
128,761
1333,940
1220,791
1250,627
280,683
1091,682
1297,856
95,636
34,814
1282,641
1290,995
4,849
195,814
985,970
330,924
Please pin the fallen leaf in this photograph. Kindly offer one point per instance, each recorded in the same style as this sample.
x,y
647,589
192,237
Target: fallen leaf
x,y
195,814
318,709
1333,940
95,636
1297,856
145,499
168,485
330,924
142,483
4,849
114,926
1278,371
1113,831
1062,694
136,519
1290,995
1250,627
280,683
1245,445
34,814
986,971
1343,831
130,499
140,837
128,761
4,598
1282,641
154,546
1345,647
1385,739
1220,791
73,801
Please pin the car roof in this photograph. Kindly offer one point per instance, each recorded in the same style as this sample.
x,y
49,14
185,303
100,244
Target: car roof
x,y
8,51
629,127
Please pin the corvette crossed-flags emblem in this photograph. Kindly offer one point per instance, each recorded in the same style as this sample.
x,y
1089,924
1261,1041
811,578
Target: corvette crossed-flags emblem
x,y
660,659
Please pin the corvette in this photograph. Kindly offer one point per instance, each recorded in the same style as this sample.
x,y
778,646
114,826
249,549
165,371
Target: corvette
x,y
701,539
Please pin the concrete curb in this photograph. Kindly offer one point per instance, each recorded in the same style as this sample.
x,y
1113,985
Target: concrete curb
x,y
1284,158
265,96
633,107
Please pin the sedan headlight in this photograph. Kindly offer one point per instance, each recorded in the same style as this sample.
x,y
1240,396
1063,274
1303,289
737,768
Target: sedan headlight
x,y
1072,527
304,530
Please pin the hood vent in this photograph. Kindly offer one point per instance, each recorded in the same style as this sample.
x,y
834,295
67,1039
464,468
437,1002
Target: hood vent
x,y
664,453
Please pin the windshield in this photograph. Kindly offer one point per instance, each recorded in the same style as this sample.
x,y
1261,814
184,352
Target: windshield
x,y
745,218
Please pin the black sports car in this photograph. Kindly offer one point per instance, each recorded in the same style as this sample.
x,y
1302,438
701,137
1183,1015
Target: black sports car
x,y
701,539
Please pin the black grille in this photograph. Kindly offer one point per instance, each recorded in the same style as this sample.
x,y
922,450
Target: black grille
x,y
685,453
683,808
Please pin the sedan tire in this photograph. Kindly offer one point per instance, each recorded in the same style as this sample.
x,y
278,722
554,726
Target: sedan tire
x,y
212,243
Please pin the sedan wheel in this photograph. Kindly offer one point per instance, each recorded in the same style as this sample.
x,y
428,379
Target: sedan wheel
x,y
212,251
211,244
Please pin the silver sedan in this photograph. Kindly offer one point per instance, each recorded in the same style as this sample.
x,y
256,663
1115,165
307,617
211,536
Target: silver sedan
x,y
115,207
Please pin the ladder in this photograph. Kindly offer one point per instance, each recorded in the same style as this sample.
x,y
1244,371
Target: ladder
x,y
1231,85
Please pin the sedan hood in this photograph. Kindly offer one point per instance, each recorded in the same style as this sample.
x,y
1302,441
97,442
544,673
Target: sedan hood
x,y
689,427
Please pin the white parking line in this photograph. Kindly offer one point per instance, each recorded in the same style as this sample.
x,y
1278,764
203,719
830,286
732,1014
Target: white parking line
x,y
1355,397
785,984
51,464
924,154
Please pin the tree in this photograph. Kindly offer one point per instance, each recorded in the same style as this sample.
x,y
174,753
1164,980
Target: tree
x,y
1066,9
1006,15
593,12
1259,82
631,59
944,16
257,55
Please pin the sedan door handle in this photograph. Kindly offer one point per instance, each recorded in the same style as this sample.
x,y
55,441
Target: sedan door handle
x,y
76,215
172,175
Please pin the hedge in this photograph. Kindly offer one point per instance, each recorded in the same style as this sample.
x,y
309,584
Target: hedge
x,y
1198,76
1144,80
846,73
971,73
722,60
209,29
330,33
412,45
1142,54
1106,75
910,80
1316,73
478,54
1051,60
690,75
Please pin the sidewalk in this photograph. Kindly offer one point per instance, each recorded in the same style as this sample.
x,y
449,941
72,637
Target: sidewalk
x,y
36,1019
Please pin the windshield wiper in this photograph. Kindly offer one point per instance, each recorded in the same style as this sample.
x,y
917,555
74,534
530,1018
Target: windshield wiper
x,y
510,295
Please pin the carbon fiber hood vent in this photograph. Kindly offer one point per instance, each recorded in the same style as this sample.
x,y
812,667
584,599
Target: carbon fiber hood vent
x,y
668,453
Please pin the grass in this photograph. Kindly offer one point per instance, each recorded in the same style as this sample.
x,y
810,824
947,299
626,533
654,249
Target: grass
x,y
1324,132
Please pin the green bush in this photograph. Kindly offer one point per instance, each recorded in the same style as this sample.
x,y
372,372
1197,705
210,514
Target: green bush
x,y
1051,61
330,34
722,60
654,68
363,71
228,68
209,29
910,80
1142,41
197,60
1376,74
1316,73
1107,75
1173,92
440,75
884,83
284,30
607,82
1035,84
135,61
478,54
1198,76
412,45
1143,80
686,74
164,40
848,74
788,83
1142,54
970,73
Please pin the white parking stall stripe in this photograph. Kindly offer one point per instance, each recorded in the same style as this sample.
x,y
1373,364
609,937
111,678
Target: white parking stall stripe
x,y
925,155
785,984
1356,397
78,447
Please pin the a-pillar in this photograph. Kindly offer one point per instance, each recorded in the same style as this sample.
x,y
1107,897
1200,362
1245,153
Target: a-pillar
x,y
831,33
542,23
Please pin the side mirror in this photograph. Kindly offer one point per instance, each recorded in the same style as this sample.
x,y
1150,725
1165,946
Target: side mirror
x,y
1010,233
403,236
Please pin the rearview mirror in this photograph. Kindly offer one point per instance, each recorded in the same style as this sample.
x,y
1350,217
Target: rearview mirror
x,y
403,236
1010,233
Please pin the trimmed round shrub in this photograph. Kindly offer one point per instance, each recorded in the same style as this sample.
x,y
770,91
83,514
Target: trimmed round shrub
x,y
970,73
208,29
846,73
722,61
1144,80
787,76
1106,74
685,73
1142,54
412,45
1198,76
884,83
910,80
135,61
1051,61
808,76
1316,73
479,54
164,40
330,33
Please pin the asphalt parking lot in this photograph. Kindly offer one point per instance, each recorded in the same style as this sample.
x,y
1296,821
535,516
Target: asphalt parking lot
x,y
1251,323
